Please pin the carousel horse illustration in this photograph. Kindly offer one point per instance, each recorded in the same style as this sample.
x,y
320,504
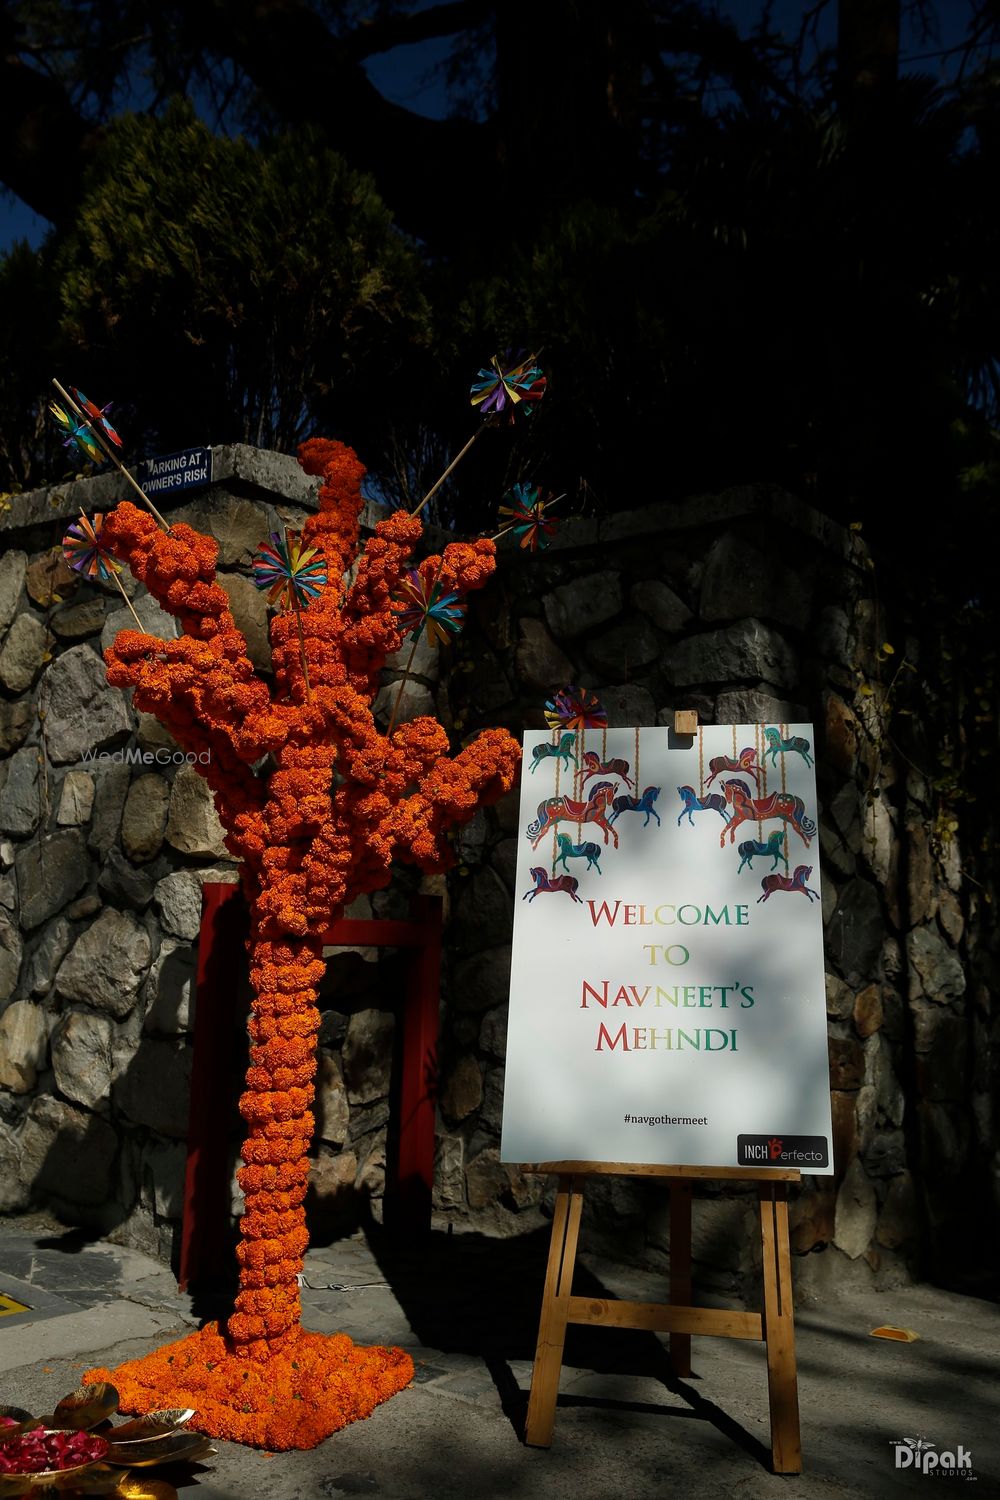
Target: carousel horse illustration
x,y
546,882
751,848
759,809
796,882
567,810
568,850
746,761
598,767
643,804
563,751
714,802
777,746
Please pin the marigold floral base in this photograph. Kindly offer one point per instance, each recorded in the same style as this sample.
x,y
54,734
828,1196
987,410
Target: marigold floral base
x,y
294,1398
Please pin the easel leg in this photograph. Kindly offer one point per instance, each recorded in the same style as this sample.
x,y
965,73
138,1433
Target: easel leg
x,y
555,1308
779,1331
680,1270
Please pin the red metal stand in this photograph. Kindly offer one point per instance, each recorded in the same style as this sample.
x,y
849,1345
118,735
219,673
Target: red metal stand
x,y
221,956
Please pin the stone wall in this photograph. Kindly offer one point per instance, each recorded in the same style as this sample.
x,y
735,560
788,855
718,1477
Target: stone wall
x,y
747,606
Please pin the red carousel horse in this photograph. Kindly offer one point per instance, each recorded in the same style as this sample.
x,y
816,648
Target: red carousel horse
x,y
760,809
567,810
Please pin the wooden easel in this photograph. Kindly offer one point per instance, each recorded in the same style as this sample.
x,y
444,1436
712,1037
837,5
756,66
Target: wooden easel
x,y
774,1325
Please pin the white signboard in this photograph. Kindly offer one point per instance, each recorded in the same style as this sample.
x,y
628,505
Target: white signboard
x,y
667,1001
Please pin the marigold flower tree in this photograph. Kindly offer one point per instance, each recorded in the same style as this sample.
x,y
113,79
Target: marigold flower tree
x,y
331,802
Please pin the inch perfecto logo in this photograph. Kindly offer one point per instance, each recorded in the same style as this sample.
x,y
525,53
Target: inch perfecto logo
x,y
782,1151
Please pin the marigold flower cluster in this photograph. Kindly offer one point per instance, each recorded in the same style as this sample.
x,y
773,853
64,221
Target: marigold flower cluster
x,y
338,800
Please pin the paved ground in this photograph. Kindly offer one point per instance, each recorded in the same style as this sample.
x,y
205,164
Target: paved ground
x,y
466,1308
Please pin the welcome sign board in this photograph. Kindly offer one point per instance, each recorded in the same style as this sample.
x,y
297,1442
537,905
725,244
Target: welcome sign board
x,y
667,999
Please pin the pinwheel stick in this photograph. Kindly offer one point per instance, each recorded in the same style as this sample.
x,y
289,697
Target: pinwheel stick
x,y
109,452
302,648
402,683
453,465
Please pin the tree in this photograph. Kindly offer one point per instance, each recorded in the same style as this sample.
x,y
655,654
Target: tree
x,y
316,802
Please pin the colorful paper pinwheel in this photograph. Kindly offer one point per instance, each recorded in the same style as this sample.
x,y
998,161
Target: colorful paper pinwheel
x,y
292,575
85,550
512,381
425,606
77,434
97,414
575,708
527,517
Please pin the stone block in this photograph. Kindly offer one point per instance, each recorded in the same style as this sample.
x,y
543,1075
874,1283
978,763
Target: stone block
x,y
75,622
897,1221
193,825
76,800
868,1010
11,950
20,800
82,1057
367,1055
841,736
449,1175
163,1168
15,721
581,605
168,994
846,1140
24,1046
415,701
847,1063
463,1091
540,664
856,1213
23,654
936,971
332,1109
747,650
49,578
13,567
839,998
155,621
483,981
144,817
106,964
483,912
627,705
491,1110
493,1032
811,1219
753,705
50,872
68,1153
45,960
854,932
122,884
248,607
177,899
112,784
82,713
658,602
628,645
155,1089
741,580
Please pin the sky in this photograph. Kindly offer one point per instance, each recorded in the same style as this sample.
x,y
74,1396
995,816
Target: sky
x,y
407,76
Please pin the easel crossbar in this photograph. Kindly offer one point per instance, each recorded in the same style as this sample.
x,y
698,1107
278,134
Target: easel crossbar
x,y
659,1317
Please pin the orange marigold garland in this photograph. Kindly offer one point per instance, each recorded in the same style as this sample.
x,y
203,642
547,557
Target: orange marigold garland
x,y
319,828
